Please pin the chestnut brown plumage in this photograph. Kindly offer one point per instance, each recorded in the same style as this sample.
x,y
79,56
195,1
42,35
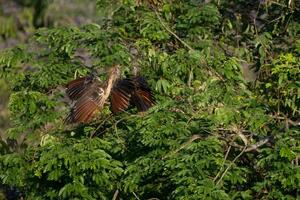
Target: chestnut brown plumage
x,y
89,95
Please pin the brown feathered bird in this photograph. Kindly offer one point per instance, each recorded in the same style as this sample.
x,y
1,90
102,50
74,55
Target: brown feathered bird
x,y
89,95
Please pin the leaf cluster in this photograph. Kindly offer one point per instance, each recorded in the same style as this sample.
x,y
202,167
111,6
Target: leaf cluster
x,y
205,138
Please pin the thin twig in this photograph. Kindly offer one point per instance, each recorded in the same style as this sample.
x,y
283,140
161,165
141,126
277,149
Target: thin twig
x,y
189,83
223,164
277,3
254,19
293,123
100,125
122,119
183,42
258,144
232,162
252,147
184,145
136,196
243,137
287,120
115,195
171,32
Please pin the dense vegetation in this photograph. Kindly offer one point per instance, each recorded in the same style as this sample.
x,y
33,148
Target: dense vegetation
x,y
226,76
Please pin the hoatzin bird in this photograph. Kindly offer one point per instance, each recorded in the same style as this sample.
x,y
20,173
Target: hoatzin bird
x,y
89,95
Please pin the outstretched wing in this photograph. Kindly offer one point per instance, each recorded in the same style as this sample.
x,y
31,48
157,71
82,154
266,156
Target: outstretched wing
x,y
142,97
121,94
86,93
131,91
77,87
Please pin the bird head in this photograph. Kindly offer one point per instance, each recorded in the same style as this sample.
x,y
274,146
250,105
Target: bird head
x,y
115,70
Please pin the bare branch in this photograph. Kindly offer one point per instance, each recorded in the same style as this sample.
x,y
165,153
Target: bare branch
x,y
171,32
136,196
115,195
254,147
211,70
226,155
293,123
289,121
231,163
243,137
250,147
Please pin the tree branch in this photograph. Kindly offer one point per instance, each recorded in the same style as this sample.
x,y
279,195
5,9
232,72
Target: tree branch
x,y
211,70
184,145
136,196
250,147
243,137
115,195
226,155
171,32
231,163
289,121
254,147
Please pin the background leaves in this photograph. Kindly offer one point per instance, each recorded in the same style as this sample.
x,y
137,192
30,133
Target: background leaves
x,y
214,133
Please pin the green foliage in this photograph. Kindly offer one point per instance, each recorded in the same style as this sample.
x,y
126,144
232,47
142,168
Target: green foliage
x,y
283,84
212,135
4,91
53,168
13,18
281,169
30,110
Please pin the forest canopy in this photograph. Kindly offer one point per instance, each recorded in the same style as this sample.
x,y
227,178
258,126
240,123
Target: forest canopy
x,y
225,75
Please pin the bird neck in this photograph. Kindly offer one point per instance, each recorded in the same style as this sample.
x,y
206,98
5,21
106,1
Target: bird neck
x,y
109,84
107,89
114,73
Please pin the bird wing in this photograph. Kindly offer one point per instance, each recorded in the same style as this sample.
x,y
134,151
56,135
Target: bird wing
x,y
121,94
131,91
77,87
142,97
87,95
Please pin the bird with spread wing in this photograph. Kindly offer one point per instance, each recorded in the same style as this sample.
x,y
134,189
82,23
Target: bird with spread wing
x,y
89,95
